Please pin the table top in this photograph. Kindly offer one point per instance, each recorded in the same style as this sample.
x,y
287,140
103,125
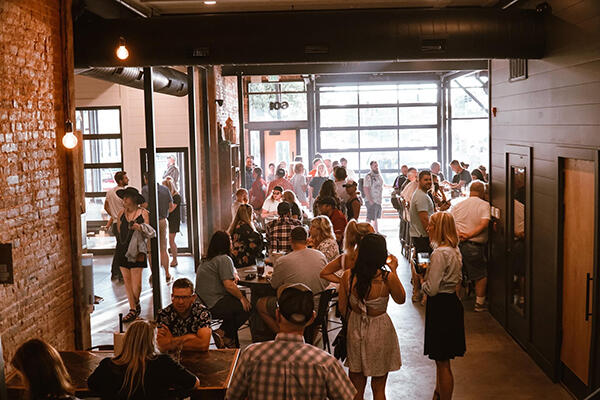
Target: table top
x,y
256,281
213,368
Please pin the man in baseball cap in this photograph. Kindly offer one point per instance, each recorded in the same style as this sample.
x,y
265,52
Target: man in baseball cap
x,y
287,365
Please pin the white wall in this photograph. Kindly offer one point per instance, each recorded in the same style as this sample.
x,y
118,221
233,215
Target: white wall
x,y
170,118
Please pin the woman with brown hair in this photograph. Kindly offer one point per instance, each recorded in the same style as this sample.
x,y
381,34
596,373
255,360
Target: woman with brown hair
x,y
139,371
444,315
43,371
246,242
354,232
327,190
322,238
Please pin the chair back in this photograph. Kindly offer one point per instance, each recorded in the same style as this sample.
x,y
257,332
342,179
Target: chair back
x,y
321,319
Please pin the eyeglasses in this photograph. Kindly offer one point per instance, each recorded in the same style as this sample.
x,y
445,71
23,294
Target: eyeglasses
x,y
182,298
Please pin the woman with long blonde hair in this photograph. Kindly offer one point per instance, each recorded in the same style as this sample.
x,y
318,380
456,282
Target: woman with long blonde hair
x,y
322,237
139,371
444,315
246,242
43,371
354,232
174,218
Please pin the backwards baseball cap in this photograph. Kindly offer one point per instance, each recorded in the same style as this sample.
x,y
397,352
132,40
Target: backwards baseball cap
x,y
350,183
296,303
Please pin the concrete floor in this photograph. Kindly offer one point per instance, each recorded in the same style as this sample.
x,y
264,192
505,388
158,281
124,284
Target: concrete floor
x,y
494,367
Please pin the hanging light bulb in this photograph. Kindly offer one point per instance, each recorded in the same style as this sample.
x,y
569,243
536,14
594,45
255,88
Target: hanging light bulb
x,y
122,52
69,140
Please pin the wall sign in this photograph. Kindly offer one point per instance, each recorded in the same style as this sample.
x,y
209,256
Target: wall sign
x,y
277,105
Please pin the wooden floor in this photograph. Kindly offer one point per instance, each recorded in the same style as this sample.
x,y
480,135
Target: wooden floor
x,y
494,367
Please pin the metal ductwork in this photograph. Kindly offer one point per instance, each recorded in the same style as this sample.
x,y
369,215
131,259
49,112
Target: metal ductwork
x,y
315,37
166,80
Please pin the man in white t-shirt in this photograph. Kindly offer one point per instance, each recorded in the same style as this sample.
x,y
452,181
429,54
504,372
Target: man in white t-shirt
x,y
269,208
472,217
113,206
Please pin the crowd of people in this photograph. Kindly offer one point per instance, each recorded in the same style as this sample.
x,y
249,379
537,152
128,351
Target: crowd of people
x,y
310,252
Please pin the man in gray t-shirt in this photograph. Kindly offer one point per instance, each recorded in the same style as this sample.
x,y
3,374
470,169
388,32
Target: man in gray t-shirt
x,y
420,209
302,265
165,206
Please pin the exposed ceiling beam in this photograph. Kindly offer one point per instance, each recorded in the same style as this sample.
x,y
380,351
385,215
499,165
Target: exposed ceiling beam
x,y
355,67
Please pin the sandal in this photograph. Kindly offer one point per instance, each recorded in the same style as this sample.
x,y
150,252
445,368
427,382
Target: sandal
x,y
131,316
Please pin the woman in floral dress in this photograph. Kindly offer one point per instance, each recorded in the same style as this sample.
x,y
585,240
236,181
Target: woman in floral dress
x,y
246,242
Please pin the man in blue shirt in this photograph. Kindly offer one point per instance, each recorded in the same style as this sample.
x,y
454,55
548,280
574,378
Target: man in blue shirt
x,y
165,206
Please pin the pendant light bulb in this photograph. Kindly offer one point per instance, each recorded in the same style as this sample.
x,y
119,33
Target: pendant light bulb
x,y
69,140
122,52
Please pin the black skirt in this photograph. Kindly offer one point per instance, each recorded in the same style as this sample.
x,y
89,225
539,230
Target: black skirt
x,y
444,327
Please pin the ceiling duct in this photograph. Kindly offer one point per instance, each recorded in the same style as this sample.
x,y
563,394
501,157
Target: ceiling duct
x,y
166,80
315,36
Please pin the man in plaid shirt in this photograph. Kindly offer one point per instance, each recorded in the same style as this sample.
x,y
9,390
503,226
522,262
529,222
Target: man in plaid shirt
x,y
287,368
278,231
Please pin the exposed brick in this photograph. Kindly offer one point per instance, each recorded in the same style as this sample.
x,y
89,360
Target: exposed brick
x,y
33,200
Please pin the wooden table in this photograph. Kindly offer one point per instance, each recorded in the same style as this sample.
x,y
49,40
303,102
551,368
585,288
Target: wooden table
x,y
214,370
259,287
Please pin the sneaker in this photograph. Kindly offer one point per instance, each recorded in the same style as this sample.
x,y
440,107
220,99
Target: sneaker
x,y
480,307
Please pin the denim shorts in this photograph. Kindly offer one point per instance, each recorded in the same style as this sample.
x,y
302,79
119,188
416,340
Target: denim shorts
x,y
474,257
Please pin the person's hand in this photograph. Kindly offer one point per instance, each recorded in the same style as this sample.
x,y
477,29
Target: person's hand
x,y
107,227
463,236
245,304
136,227
392,262
444,205
236,278
163,332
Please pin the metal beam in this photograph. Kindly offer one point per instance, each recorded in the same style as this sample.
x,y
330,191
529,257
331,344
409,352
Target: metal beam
x,y
332,36
193,201
355,67
471,95
206,149
240,89
152,188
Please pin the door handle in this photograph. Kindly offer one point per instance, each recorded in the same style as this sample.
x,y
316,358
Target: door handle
x,y
588,314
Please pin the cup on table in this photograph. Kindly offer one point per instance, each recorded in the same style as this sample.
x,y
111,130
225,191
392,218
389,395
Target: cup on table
x,y
118,339
260,266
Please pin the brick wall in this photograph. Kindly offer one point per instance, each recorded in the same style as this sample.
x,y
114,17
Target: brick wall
x,y
33,195
226,89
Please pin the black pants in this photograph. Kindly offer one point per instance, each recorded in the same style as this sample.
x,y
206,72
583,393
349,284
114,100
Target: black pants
x,y
230,310
115,268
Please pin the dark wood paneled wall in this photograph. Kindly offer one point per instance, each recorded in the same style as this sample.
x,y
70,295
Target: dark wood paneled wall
x,y
559,104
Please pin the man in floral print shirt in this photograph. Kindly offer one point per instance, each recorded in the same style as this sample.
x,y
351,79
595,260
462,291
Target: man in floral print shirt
x,y
185,323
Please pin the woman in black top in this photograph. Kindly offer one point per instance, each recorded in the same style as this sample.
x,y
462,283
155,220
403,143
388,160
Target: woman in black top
x,y
131,219
139,371
43,371
174,219
327,190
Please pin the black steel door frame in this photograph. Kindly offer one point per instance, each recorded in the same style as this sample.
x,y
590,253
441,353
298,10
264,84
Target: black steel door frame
x,y
186,167
517,325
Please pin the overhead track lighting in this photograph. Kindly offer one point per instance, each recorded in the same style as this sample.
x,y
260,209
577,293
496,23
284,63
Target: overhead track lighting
x,y
122,52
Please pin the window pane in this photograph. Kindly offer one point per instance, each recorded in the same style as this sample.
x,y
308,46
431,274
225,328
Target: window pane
x,y
378,94
304,147
352,158
339,139
292,86
471,104
276,87
102,151
470,142
263,107
255,147
385,159
100,179
379,138
338,98
418,93
418,137
339,118
378,116
98,122
94,209
418,115
418,158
